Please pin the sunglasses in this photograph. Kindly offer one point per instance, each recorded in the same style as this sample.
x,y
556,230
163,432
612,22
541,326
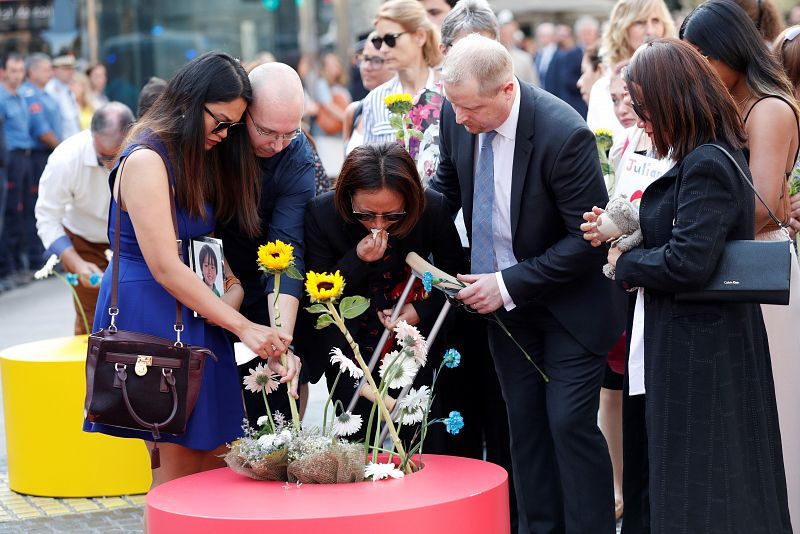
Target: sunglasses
x,y
388,217
390,39
221,125
373,62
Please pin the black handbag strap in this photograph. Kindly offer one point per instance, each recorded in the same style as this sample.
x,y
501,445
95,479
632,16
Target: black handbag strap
x,y
113,310
744,177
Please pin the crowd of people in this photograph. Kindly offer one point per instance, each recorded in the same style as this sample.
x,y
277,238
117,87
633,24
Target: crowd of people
x,y
43,101
698,430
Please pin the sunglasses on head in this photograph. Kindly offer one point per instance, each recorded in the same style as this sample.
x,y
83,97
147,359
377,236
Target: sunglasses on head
x,y
221,125
390,39
388,217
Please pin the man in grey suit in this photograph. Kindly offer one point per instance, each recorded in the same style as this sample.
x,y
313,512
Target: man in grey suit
x,y
524,167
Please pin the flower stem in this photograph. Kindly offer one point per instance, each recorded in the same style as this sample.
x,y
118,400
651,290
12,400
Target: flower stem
x,y
77,301
504,329
284,357
328,403
269,412
378,398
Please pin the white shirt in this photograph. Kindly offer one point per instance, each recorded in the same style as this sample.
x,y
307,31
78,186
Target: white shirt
x,y
73,194
70,113
503,149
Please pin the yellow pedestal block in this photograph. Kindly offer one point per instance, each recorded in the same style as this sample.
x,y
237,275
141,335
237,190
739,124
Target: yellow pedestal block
x,y
49,454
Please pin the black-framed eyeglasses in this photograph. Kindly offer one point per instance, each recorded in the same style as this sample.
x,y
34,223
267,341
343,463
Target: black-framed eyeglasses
x,y
388,217
372,62
103,160
221,125
390,39
273,136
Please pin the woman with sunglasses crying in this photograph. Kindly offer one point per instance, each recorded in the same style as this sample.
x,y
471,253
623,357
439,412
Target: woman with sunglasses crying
x,y
409,45
364,229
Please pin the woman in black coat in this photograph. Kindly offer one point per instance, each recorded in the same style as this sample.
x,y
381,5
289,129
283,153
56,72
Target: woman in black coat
x,y
377,214
710,423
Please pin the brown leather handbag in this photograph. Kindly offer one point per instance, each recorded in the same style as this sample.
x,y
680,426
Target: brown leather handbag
x,y
138,381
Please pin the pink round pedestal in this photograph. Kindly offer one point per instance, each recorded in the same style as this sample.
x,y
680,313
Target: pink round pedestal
x,y
449,494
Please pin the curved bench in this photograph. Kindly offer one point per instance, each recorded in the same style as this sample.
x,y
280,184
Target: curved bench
x,y
48,453
449,494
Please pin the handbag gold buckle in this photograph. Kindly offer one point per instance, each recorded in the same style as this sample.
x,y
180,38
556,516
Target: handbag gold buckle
x,y
142,363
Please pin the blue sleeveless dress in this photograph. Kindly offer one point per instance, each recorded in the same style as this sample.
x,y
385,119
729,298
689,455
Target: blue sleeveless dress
x,y
145,306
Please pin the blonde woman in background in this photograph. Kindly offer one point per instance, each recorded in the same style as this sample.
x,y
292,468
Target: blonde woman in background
x,y
632,23
82,89
409,45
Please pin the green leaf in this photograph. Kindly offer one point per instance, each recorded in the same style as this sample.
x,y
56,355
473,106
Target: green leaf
x,y
323,321
317,308
352,307
292,272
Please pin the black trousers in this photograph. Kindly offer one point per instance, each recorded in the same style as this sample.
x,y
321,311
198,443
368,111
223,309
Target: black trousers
x,y
33,245
13,246
562,470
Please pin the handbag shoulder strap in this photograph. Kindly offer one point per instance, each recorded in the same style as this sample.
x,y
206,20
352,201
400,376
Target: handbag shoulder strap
x,y
738,168
113,310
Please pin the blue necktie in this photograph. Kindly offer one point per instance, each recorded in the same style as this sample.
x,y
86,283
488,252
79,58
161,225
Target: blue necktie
x,y
482,246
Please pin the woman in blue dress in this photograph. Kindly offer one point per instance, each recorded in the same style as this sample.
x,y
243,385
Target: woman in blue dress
x,y
173,151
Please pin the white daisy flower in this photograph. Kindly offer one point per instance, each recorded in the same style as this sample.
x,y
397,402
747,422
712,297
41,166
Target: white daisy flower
x,y
261,378
48,268
400,368
410,416
409,338
416,398
345,364
381,471
346,424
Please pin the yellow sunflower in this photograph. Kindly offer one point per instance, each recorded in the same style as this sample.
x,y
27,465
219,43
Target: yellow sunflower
x,y
275,256
324,287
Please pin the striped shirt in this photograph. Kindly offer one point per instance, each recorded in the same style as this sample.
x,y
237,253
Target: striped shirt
x,y
377,129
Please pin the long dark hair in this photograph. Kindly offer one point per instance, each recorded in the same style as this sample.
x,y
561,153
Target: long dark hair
x,y
723,31
227,175
674,88
375,167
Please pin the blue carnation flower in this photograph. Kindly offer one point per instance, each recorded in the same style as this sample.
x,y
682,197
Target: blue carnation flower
x,y
72,279
95,278
427,281
454,423
452,358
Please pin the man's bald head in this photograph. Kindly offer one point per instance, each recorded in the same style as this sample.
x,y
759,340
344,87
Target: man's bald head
x,y
277,108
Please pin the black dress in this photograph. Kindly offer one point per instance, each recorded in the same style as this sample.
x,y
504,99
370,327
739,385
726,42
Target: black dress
x,y
331,246
712,441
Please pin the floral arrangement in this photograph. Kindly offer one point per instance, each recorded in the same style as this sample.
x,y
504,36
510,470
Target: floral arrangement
x,y
276,452
71,280
604,142
399,106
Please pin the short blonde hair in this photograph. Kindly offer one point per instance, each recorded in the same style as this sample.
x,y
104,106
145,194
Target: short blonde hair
x,y
615,46
412,16
478,58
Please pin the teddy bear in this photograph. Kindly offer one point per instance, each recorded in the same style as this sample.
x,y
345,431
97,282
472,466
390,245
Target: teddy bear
x,y
620,225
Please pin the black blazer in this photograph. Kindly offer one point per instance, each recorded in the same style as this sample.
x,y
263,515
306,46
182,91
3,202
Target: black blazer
x,y
556,177
331,245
